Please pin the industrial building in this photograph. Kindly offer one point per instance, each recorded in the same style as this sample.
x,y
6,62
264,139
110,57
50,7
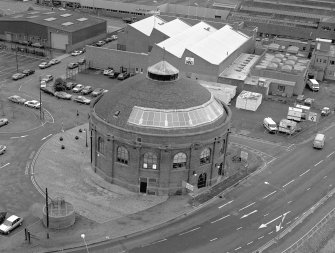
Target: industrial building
x,y
63,30
158,131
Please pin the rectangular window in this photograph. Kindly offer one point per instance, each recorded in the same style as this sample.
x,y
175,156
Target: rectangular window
x,y
281,88
332,62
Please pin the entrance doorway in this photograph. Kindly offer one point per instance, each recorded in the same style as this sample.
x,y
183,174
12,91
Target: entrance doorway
x,y
143,184
202,180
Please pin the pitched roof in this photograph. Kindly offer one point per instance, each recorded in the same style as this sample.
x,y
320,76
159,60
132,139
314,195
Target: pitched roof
x,y
173,27
218,45
146,25
176,45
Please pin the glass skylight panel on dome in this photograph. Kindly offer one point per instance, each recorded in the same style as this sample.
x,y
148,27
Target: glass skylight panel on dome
x,y
183,118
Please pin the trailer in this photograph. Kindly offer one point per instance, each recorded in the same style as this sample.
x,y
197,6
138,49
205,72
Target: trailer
x,y
287,126
294,114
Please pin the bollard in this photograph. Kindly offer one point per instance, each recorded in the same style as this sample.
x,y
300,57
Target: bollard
x,y
28,236
25,234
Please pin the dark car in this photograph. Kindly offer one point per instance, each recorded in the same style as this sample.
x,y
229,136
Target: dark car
x,y
87,90
70,85
48,91
82,61
123,76
115,75
2,217
28,72
72,65
100,43
97,92
63,95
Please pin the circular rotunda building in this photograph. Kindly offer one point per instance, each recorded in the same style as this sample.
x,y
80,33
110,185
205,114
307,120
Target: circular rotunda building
x,y
159,133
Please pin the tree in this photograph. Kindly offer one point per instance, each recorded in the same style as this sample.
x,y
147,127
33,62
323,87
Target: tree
x,y
59,85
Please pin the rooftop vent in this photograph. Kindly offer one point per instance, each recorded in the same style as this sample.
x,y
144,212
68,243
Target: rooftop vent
x,y
82,19
207,28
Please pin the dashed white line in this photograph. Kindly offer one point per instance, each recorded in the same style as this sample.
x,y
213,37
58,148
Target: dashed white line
x,y
250,242
211,240
247,206
238,228
260,237
288,183
318,163
288,222
238,248
266,214
308,188
220,218
270,232
225,204
45,137
330,154
23,136
304,173
289,202
269,194
159,241
189,231
4,165
14,137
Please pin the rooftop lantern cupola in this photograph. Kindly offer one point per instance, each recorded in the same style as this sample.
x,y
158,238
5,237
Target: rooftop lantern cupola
x,y
163,71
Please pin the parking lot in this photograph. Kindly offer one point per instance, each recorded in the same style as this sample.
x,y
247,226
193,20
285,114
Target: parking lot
x,y
8,64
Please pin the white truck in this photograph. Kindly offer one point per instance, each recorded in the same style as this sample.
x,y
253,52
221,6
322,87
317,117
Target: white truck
x,y
287,126
295,114
305,110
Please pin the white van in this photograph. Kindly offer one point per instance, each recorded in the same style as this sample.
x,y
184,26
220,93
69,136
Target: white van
x,y
270,125
313,84
319,141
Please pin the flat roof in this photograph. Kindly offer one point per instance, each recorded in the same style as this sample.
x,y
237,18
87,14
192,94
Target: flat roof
x,y
68,21
240,68
330,52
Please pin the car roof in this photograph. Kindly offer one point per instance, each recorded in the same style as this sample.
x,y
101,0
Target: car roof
x,y
12,218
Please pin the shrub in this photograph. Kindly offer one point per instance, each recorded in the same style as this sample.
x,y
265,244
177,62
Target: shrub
x,y
59,85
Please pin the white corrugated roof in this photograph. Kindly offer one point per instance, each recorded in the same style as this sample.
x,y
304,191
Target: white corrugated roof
x,y
146,25
176,45
173,27
217,46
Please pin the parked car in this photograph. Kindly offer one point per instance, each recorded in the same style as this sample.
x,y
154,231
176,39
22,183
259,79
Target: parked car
x,y
78,88
54,61
325,111
47,78
33,104
38,45
3,122
63,95
100,43
87,90
123,76
18,76
114,37
44,65
2,149
107,71
70,85
77,52
114,75
28,72
82,99
72,65
2,217
97,92
17,99
309,101
10,223
48,90
82,61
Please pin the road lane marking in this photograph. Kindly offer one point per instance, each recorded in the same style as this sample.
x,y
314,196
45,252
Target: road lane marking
x,y
288,183
23,136
211,240
189,231
14,137
288,222
330,154
250,242
158,241
238,228
266,224
225,204
4,165
269,194
270,232
304,173
318,163
45,137
238,248
246,215
260,237
26,171
308,188
220,218
289,202
247,206
266,214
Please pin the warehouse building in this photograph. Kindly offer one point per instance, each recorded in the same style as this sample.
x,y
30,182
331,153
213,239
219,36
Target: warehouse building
x,y
63,30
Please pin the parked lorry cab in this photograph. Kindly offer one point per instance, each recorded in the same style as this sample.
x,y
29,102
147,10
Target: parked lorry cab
x,y
319,141
294,114
313,84
287,126
270,125
305,110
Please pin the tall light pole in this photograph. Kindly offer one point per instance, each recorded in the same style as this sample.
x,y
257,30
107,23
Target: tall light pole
x,y
83,236
196,10
188,10
279,227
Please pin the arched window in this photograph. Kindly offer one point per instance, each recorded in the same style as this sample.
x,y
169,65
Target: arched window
x,y
122,155
101,145
179,160
205,156
150,161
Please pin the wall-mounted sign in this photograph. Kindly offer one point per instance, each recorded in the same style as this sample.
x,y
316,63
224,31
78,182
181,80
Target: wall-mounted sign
x,y
189,61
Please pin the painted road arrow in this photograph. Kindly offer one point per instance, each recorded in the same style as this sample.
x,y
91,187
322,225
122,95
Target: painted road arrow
x,y
266,224
246,215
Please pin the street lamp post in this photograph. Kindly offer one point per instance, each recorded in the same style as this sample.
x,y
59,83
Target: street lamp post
x,y
196,10
86,137
83,236
279,227
188,10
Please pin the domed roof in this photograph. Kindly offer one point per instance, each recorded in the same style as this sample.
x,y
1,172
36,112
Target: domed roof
x,y
152,102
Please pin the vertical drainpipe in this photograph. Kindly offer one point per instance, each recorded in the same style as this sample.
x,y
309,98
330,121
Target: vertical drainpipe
x,y
111,138
210,180
189,165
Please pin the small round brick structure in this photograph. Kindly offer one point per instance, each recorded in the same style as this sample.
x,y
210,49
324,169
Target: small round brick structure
x,y
61,214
